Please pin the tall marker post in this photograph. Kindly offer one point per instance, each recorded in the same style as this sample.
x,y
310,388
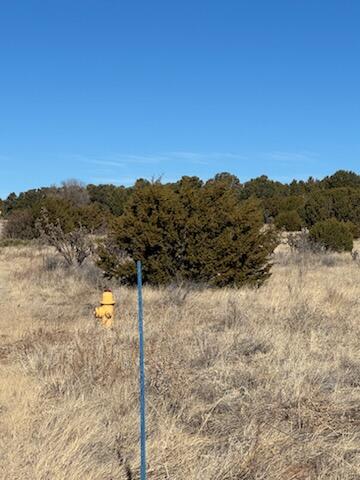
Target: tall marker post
x,y
142,375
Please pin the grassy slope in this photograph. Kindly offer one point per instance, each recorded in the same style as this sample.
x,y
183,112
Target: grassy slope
x,y
242,384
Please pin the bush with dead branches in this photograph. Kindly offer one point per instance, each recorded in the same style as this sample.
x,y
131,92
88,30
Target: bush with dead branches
x,y
74,246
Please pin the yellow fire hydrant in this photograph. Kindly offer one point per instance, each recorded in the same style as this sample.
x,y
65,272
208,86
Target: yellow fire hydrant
x,y
106,311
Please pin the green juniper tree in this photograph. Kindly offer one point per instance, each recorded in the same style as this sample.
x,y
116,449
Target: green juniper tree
x,y
191,232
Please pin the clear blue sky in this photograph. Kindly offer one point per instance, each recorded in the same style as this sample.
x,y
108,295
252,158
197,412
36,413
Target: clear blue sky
x,y
110,90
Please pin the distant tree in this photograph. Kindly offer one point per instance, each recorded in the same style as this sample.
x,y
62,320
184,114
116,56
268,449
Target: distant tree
x,y
75,192
340,203
28,199
292,202
59,211
227,179
274,206
188,184
110,197
342,178
332,235
298,188
94,217
317,207
312,184
270,207
142,182
21,221
263,187
289,220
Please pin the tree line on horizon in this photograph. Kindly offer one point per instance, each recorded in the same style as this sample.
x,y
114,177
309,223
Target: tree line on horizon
x,y
192,229
288,205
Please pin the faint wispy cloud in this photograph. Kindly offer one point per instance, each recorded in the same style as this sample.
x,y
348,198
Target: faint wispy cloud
x,y
125,168
205,158
106,163
125,160
291,157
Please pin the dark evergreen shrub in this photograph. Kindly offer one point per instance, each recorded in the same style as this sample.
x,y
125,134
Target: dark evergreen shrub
x,y
332,235
289,221
194,232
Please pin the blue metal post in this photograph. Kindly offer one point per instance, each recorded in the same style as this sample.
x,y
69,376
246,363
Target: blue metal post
x,y
142,376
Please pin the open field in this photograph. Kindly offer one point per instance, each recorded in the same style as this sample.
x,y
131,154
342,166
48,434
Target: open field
x,y
242,385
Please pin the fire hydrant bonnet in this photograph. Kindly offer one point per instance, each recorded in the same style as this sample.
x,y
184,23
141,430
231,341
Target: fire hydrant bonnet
x,y
107,298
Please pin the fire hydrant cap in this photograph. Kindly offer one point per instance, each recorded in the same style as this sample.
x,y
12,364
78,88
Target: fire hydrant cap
x,y
107,298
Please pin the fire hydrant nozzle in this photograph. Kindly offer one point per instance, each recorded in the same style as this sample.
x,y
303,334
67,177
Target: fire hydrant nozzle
x,y
106,311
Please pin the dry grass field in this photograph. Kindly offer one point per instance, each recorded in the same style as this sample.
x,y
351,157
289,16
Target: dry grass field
x,y
242,385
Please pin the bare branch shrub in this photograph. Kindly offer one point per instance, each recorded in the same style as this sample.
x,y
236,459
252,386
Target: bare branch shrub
x,y
302,243
75,191
177,293
74,246
355,255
